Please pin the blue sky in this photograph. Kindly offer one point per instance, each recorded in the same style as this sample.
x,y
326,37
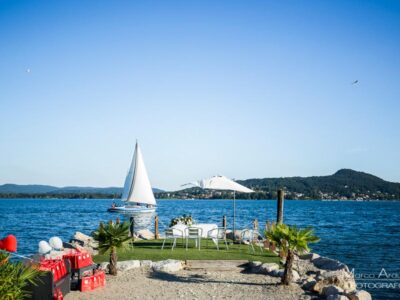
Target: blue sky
x,y
241,88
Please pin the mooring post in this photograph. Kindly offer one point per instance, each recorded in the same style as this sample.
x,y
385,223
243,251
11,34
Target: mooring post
x,y
279,216
156,233
132,228
255,225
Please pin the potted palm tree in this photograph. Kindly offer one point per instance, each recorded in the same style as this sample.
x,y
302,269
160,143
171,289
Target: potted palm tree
x,y
291,240
15,278
111,237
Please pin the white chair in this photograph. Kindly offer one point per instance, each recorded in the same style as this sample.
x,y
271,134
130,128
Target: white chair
x,y
252,237
194,233
172,234
217,234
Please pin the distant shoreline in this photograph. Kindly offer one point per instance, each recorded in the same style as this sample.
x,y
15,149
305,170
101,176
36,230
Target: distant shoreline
x,y
2,197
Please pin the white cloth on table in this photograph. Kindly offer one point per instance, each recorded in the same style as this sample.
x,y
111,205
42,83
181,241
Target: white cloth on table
x,y
205,228
181,229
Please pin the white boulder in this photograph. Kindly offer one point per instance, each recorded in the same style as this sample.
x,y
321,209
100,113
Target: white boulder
x,y
359,295
104,266
85,243
337,297
277,273
268,268
128,265
295,276
145,234
341,278
310,256
331,290
167,266
329,264
146,263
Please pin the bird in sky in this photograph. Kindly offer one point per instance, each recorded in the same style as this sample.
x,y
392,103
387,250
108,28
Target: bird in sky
x,y
354,82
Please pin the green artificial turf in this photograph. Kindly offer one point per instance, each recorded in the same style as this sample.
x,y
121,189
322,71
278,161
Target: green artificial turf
x,y
151,250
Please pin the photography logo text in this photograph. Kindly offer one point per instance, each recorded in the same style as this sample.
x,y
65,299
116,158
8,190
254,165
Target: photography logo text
x,y
382,279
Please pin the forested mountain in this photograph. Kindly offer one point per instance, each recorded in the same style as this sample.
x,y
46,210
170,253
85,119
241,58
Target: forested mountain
x,y
344,184
47,191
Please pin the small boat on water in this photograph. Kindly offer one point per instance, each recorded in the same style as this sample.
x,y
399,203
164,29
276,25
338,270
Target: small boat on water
x,y
138,194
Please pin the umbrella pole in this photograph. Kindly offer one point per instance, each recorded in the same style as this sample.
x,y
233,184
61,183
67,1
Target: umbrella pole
x,y
234,216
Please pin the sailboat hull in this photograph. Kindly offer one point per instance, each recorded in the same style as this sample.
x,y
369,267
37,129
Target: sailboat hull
x,y
134,209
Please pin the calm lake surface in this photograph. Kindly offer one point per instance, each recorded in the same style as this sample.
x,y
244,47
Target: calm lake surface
x,y
364,235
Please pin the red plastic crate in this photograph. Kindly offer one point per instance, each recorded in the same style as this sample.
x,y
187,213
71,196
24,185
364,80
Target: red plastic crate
x,y
58,295
86,284
57,267
79,259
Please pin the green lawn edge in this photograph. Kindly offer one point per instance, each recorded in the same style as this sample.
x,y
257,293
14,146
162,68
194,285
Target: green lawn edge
x,y
151,250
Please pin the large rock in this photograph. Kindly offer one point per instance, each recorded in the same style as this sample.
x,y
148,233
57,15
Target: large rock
x,y
146,263
104,266
359,295
326,263
331,290
309,256
167,266
337,297
128,265
145,234
305,267
295,276
341,278
268,268
82,241
277,273
308,283
229,234
254,266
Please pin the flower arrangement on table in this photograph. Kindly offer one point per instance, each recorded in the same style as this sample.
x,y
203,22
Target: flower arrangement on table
x,y
186,220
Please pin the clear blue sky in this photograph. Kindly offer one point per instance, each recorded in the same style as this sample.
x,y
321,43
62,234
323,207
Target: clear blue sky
x,y
241,88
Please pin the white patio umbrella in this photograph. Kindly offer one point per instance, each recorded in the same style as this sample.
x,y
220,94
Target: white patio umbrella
x,y
222,183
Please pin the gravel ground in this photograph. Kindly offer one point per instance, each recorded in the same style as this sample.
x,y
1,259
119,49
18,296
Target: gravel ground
x,y
145,284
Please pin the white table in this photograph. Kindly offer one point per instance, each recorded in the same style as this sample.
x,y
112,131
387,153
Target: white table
x,y
181,229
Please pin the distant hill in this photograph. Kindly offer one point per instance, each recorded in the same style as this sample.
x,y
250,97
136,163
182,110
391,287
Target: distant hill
x,y
52,190
29,189
344,184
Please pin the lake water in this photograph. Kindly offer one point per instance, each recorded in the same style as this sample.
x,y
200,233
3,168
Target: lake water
x,y
364,235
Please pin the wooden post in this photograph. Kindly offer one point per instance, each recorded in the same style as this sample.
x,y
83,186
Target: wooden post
x,y
117,221
156,233
224,222
132,228
279,216
255,225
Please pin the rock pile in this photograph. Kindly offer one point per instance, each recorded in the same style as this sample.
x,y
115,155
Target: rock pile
x,y
164,266
82,241
328,278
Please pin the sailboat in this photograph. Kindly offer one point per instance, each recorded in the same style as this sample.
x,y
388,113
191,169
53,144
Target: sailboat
x,y
138,194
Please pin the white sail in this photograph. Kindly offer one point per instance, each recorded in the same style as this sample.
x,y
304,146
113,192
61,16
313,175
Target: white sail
x,y
129,179
137,188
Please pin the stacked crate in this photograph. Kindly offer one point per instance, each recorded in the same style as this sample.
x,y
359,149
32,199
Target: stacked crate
x,y
84,273
55,281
